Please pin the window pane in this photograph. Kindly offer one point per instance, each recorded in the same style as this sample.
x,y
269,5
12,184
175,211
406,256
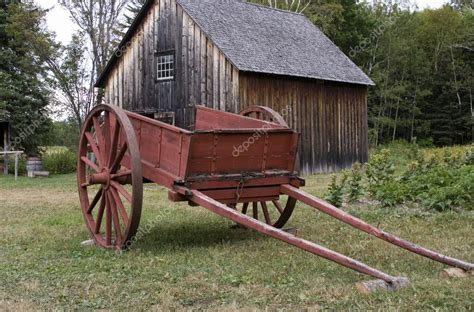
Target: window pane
x,y
165,66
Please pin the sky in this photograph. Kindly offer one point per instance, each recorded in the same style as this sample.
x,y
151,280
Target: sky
x,y
59,22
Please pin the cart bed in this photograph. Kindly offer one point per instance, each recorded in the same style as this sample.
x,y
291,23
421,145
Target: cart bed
x,y
223,150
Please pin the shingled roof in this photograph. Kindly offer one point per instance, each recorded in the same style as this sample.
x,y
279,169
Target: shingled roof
x,y
264,40
259,39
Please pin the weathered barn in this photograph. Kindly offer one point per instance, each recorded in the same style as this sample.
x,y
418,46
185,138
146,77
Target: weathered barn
x,y
229,54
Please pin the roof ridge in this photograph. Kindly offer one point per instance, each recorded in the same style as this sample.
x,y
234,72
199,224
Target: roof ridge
x,y
270,8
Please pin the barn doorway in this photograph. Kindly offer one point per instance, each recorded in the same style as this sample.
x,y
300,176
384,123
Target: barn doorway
x,y
3,135
4,141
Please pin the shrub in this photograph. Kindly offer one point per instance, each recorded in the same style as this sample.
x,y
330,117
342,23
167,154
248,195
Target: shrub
x,y
469,156
379,170
439,179
444,188
354,186
21,165
390,193
335,194
60,162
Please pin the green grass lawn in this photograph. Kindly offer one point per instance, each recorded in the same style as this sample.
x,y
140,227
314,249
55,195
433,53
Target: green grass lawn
x,y
192,259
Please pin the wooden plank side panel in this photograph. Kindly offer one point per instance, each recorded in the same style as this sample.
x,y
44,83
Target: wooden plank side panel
x,y
179,59
209,74
191,65
235,90
121,83
234,153
365,129
323,161
150,66
222,84
215,78
197,65
203,69
141,66
159,41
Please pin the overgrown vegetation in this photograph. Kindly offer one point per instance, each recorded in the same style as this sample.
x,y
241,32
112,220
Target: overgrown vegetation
x,y
60,162
402,173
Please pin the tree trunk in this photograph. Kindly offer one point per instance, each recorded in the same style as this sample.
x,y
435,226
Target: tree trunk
x,y
396,120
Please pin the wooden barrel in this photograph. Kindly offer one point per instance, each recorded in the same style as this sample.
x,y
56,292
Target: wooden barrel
x,y
34,164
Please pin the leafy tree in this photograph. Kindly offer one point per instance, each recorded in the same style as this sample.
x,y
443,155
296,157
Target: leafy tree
x,y
298,6
74,78
24,92
440,33
462,4
98,20
63,133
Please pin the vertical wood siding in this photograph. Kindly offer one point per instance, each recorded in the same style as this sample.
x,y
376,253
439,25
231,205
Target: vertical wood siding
x,y
203,75
331,117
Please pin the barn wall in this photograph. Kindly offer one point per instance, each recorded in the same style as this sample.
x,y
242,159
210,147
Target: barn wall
x,y
331,117
203,76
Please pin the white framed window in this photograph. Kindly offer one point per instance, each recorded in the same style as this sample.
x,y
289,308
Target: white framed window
x,y
165,66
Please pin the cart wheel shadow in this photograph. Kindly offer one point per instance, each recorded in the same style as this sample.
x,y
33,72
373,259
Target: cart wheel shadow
x,y
190,234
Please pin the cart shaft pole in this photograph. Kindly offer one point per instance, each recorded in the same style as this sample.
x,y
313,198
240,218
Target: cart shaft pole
x,y
231,214
363,226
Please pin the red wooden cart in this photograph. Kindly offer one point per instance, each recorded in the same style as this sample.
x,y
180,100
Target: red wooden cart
x,y
228,164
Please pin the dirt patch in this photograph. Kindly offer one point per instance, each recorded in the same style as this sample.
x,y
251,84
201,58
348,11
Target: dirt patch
x,y
17,306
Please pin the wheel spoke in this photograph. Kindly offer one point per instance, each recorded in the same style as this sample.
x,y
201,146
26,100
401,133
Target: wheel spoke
x,y
115,166
245,206
115,138
88,162
99,135
95,200
265,212
108,223
255,210
120,206
100,214
118,231
276,203
121,174
95,148
106,132
121,190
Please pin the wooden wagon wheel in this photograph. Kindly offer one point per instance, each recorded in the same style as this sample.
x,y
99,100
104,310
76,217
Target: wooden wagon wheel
x,y
280,214
109,177
264,113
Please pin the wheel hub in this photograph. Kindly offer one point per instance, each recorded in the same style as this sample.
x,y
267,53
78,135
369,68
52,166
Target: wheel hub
x,y
101,178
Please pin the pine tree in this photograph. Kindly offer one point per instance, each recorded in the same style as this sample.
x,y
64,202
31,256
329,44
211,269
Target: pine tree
x,y
133,8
